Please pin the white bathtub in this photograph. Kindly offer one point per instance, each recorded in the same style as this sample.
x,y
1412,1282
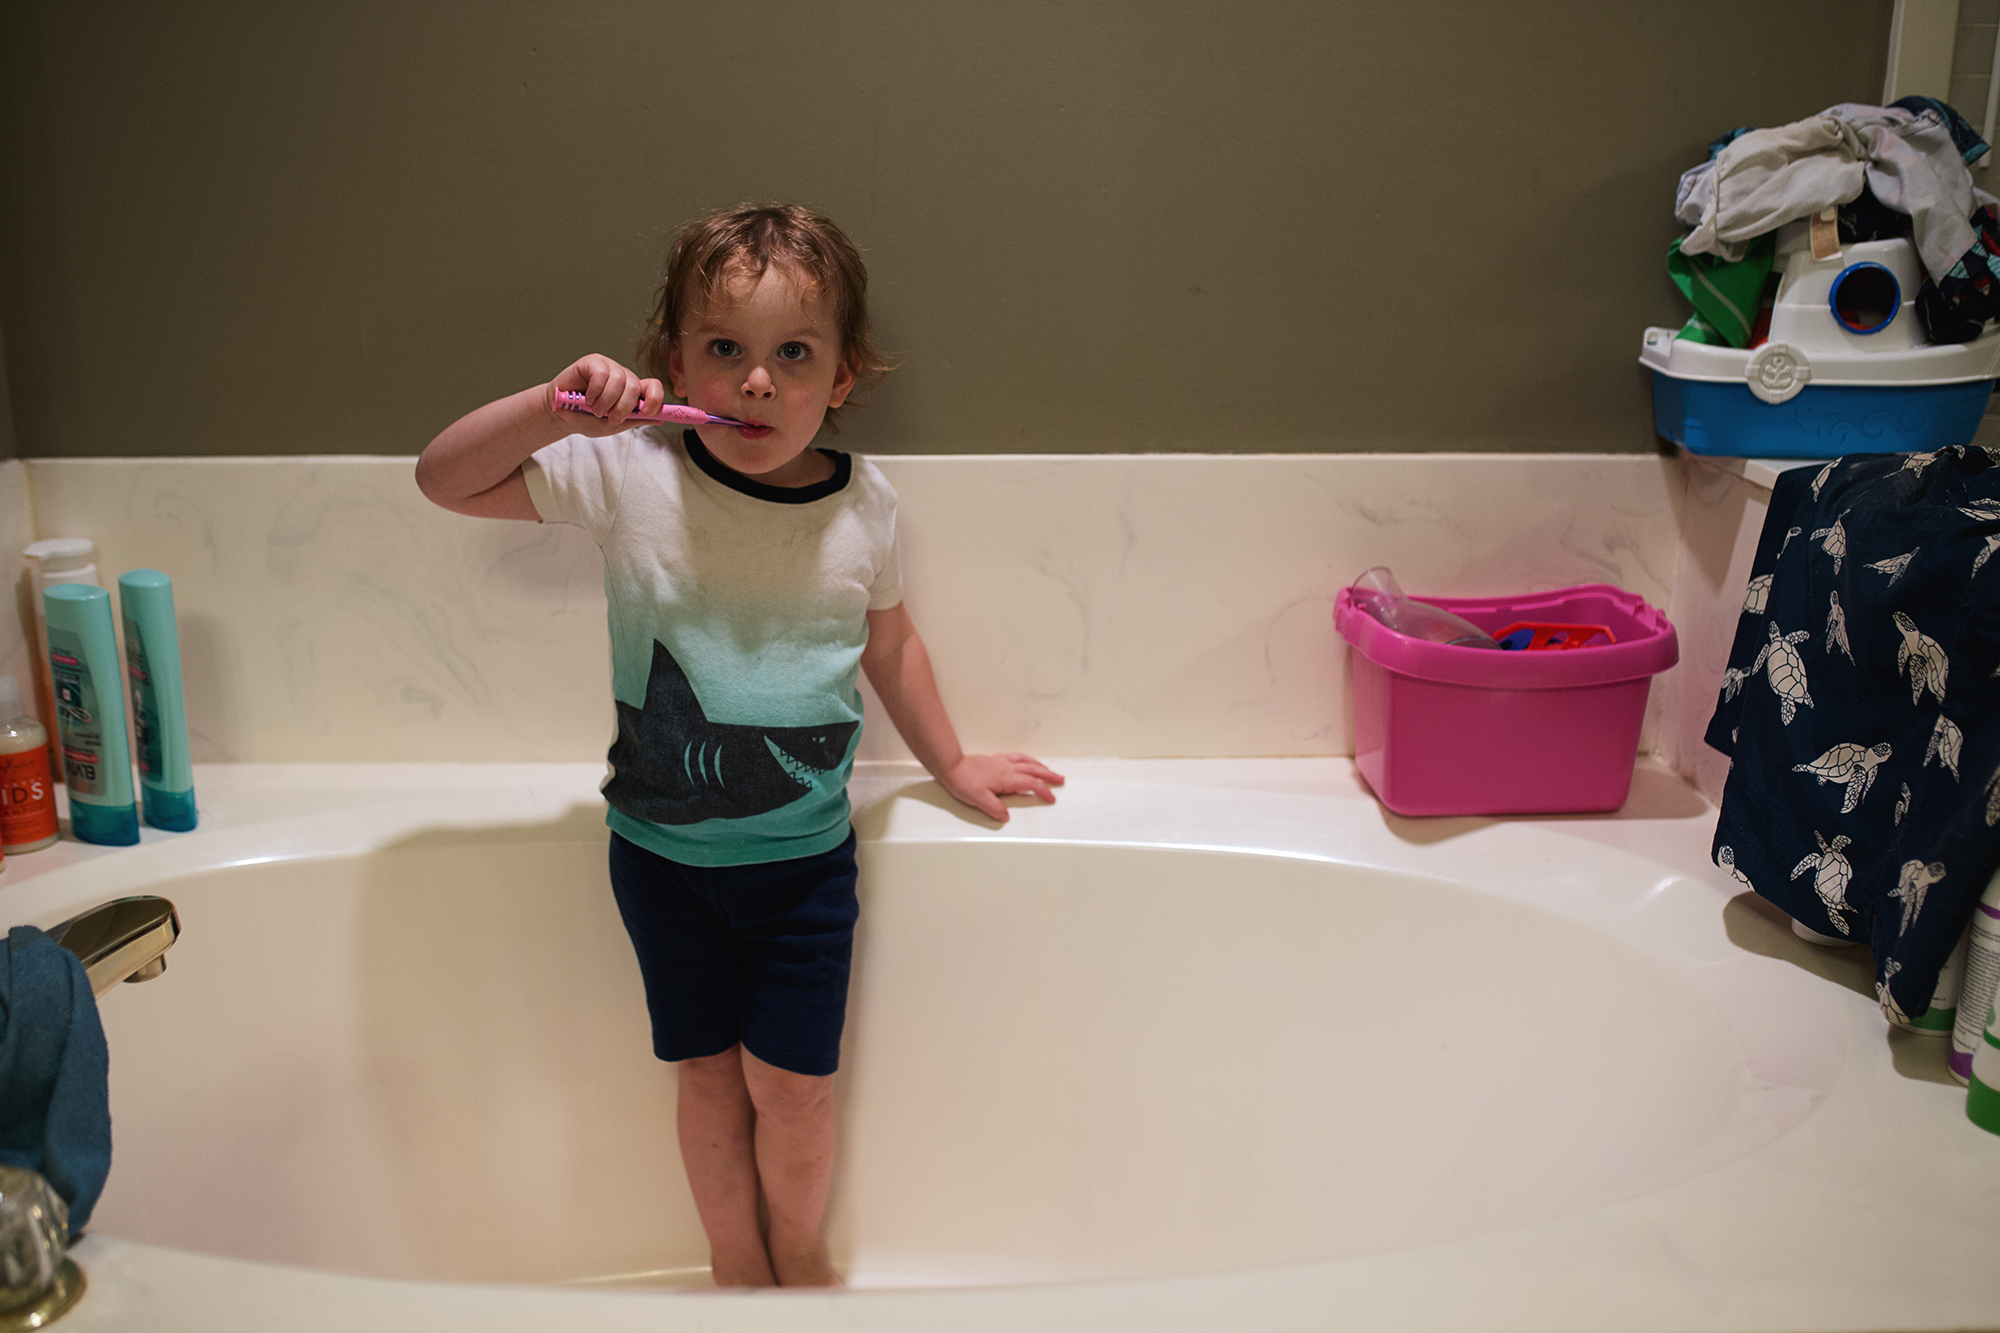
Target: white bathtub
x,y
1209,1044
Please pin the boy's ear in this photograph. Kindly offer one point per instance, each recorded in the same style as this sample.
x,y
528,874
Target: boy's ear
x,y
843,383
674,372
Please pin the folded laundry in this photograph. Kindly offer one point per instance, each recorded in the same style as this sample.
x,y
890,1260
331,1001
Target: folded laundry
x,y
1861,708
55,1107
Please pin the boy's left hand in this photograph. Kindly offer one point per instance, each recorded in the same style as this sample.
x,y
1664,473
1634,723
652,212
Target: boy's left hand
x,y
980,780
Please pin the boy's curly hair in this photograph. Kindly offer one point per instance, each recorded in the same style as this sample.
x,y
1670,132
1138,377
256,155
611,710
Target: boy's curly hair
x,y
747,240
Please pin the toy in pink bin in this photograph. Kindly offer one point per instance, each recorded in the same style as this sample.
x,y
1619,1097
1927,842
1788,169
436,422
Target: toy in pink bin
x,y
1444,729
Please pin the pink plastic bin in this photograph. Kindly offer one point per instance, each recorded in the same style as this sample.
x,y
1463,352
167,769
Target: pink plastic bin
x,y
1440,730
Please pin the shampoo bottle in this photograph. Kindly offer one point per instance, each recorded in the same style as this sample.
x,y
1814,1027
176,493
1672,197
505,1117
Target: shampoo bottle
x,y
27,791
90,714
1982,1098
159,708
1982,979
54,560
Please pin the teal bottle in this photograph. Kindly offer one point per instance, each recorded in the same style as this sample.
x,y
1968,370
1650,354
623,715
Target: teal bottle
x,y
90,714
159,706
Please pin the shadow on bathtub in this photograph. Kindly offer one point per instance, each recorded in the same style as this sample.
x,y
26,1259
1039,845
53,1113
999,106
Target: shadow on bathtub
x,y
1761,927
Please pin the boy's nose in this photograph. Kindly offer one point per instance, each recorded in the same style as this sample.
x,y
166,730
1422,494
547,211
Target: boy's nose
x,y
758,383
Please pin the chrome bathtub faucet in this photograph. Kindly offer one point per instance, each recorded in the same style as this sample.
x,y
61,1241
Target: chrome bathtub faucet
x,y
125,939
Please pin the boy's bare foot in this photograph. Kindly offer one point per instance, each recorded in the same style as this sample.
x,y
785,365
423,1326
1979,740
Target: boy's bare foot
x,y
807,1267
750,1269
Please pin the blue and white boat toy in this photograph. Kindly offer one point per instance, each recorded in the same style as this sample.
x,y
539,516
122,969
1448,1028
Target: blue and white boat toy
x,y
1845,369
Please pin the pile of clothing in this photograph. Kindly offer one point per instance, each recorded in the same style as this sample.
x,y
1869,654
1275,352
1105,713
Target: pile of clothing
x,y
1890,171
1861,708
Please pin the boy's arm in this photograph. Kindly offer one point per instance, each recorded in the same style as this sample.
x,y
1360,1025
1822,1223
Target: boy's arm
x,y
474,465
900,670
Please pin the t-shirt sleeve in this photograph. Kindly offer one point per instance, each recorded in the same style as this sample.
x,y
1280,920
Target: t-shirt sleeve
x,y
887,589
577,481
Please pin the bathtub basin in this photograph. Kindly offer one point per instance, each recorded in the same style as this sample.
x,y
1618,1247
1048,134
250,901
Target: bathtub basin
x,y
1175,1045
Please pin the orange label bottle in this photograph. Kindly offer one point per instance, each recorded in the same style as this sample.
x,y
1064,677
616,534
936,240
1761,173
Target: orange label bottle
x,y
27,791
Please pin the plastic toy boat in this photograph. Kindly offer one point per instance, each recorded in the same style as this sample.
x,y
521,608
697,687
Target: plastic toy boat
x,y
1845,369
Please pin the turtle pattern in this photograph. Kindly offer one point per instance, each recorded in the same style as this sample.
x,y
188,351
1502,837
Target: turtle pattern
x,y
1836,629
1898,560
1911,886
1851,765
1895,566
1945,744
1726,858
1921,657
1832,873
1786,670
1833,539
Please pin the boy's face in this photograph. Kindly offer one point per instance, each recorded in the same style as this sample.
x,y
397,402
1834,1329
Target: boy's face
x,y
765,351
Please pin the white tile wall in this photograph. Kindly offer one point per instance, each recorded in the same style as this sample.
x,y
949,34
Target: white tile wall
x,y
1147,605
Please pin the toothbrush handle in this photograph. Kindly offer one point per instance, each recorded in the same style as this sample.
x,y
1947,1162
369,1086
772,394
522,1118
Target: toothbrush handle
x,y
679,414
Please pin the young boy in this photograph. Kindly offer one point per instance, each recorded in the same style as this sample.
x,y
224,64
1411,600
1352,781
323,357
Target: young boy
x,y
748,575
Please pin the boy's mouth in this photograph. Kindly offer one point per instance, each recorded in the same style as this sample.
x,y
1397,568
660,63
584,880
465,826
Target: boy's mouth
x,y
753,430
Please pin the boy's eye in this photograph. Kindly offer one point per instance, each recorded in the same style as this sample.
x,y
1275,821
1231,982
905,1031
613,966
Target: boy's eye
x,y
723,347
794,352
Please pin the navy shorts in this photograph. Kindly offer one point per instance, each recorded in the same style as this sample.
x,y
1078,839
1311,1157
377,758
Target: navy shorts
x,y
757,954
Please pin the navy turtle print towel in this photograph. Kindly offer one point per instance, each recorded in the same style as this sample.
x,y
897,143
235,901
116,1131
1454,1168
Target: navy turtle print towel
x,y
1861,708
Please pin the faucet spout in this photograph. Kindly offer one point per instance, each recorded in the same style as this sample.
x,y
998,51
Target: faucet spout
x,y
125,939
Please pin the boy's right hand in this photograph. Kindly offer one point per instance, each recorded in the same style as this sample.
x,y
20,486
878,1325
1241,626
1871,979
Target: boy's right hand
x,y
612,392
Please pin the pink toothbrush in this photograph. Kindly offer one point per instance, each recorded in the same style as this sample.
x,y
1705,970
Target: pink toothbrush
x,y
677,413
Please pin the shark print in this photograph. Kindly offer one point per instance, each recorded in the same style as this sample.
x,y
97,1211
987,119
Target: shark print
x,y
1945,743
1851,765
1725,856
1757,594
1911,885
1903,805
672,765
1922,658
1895,566
1785,669
1832,873
1836,628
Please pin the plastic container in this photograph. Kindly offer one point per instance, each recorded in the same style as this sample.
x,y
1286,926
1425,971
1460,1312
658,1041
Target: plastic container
x,y
54,561
1982,1093
27,786
1982,980
1846,368
90,708
159,709
1942,1016
1444,730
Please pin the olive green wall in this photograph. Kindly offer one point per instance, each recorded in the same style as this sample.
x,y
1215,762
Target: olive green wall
x,y
234,228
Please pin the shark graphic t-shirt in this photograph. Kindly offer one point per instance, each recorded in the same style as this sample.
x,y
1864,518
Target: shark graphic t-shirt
x,y
738,614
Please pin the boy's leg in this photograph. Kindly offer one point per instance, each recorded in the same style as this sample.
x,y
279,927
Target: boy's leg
x,y
794,1146
718,1148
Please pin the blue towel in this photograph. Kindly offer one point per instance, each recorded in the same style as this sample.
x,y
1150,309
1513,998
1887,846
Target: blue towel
x,y
1861,708
55,1105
